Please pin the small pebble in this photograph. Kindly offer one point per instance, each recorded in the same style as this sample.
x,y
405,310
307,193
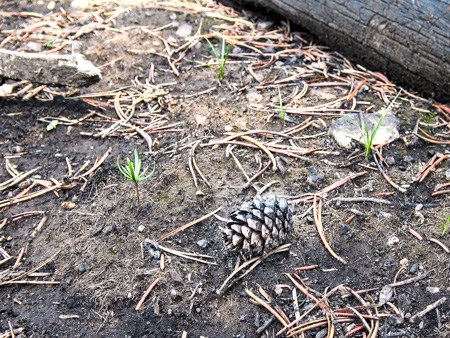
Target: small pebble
x,y
413,268
408,159
83,267
174,293
51,5
343,230
433,289
384,215
393,240
109,228
203,243
404,262
390,160
141,228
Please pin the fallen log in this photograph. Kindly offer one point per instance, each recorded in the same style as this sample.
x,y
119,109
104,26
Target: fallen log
x,y
407,40
65,70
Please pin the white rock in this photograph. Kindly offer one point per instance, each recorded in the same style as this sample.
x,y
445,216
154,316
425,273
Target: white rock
x,y
433,289
351,127
79,4
141,228
393,240
51,5
6,89
184,30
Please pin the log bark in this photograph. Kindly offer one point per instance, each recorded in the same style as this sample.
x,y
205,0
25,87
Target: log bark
x,y
407,40
65,70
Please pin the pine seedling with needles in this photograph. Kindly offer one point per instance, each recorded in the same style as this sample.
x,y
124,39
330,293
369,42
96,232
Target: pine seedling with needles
x,y
221,56
369,136
132,171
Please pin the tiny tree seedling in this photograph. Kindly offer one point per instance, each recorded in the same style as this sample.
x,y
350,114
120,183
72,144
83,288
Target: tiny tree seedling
x,y
221,56
369,136
132,171
281,109
445,222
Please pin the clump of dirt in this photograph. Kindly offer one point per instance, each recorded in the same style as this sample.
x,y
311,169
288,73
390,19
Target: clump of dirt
x,y
192,124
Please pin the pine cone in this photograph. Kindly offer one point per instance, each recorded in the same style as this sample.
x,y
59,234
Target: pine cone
x,y
258,226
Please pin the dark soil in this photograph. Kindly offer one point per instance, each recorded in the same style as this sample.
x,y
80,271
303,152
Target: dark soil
x,y
101,263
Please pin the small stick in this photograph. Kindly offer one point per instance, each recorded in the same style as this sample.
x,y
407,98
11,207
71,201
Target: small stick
x,y
443,246
321,304
145,295
415,234
428,309
387,178
96,165
359,315
191,169
317,212
229,151
11,330
308,267
259,173
30,282
255,261
263,148
187,255
19,257
192,156
331,187
267,186
410,280
360,199
39,226
184,227
267,307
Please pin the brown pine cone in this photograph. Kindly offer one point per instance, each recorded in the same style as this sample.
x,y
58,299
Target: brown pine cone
x,y
258,226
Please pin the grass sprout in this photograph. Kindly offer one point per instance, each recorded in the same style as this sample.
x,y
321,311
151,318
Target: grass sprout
x,y
369,136
281,109
445,222
221,56
132,171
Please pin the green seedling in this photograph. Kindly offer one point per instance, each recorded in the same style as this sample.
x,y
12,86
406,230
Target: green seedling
x,y
369,136
132,171
281,109
445,222
221,56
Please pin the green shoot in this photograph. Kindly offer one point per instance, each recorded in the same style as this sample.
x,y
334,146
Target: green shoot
x,y
369,136
445,222
132,171
221,57
281,109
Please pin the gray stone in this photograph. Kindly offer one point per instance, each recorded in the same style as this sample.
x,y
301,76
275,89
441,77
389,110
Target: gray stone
x,y
390,160
109,228
413,269
384,215
351,127
203,243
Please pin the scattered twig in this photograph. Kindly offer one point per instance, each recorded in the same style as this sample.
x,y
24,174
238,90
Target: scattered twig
x,y
317,211
184,227
428,309
146,293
